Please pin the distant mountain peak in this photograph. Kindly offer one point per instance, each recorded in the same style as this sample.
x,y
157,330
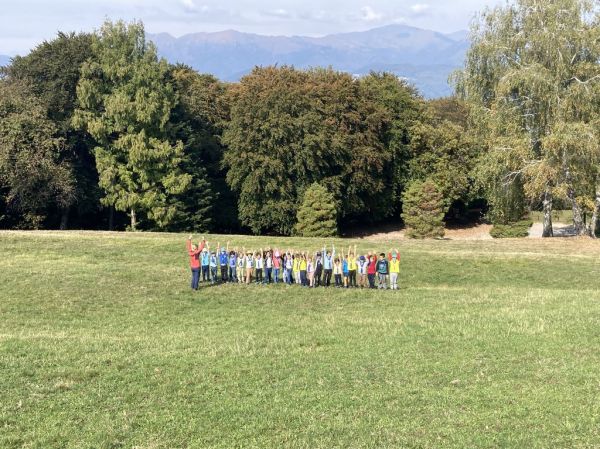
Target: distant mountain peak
x,y
424,57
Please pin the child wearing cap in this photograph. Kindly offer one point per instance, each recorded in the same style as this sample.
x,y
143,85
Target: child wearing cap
x,y
394,258
362,271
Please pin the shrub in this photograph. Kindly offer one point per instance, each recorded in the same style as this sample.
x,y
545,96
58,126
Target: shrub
x,y
317,217
514,230
423,206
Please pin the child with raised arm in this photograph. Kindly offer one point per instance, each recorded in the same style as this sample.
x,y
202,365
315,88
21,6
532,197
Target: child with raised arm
x,y
194,255
345,270
328,258
382,271
259,264
268,267
223,259
249,266
394,259
241,265
318,269
302,268
289,268
213,263
276,265
337,272
371,270
205,261
233,255
352,267
310,271
362,271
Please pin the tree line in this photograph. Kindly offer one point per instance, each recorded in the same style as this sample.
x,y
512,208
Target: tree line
x,y
96,131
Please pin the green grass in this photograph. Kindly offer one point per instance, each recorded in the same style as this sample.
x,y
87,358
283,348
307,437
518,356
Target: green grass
x,y
558,216
487,344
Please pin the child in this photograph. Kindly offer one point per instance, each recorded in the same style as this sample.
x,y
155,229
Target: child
x,y
345,271
276,265
213,262
310,271
268,267
371,270
249,266
232,266
205,264
296,268
289,267
394,257
223,259
258,264
194,254
352,267
362,271
318,269
382,271
328,264
241,262
302,268
337,273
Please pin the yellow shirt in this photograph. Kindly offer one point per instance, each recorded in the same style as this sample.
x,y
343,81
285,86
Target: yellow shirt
x,y
395,266
351,263
302,265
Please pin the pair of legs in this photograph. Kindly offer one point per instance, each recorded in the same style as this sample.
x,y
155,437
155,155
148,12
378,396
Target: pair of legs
x,y
303,278
248,275
268,273
195,278
362,281
232,273
338,280
223,273
352,278
382,281
311,279
327,278
276,275
213,274
371,278
394,281
259,275
205,273
318,274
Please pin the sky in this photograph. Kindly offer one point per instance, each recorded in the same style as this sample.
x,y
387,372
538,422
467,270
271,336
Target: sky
x,y
25,23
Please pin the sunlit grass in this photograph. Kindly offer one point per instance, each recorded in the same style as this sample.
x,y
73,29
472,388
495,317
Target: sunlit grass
x,y
486,344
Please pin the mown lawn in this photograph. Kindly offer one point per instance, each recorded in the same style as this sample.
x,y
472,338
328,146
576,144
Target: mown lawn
x,y
487,344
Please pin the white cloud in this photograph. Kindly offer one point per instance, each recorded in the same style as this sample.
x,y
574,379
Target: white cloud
x,y
419,8
370,15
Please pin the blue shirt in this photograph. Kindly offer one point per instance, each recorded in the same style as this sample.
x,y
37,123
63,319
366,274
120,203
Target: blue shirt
x,y
205,258
223,258
232,260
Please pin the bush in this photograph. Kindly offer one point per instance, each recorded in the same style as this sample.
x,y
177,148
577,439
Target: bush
x,y
317,217
514,230
423,206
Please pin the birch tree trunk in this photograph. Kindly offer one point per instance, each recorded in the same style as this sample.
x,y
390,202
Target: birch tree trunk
x,y
548,231
594,228
133,221
578,222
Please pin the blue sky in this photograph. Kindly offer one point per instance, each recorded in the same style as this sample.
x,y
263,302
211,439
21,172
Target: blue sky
x,y
24,23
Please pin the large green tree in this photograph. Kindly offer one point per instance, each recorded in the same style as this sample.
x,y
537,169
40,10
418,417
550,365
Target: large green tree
x,y
317,216
125,102
34,178
51,72
532,78
291,128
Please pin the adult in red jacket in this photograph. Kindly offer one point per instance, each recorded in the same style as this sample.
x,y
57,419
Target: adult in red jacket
x,y
194,253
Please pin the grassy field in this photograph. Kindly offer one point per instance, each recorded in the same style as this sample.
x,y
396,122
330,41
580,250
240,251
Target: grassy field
x,y
487,344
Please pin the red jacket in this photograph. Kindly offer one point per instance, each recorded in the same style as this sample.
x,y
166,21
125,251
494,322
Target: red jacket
x,y
194,255
372,267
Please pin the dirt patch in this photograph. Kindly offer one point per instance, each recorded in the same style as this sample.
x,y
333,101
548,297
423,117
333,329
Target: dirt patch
x,y
475,232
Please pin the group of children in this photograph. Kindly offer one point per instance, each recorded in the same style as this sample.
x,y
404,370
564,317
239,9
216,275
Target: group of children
x,y
321,268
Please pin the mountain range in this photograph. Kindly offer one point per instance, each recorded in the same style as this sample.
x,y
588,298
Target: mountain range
x,y
425,58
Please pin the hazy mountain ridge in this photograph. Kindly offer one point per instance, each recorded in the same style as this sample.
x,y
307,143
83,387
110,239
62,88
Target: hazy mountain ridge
x,y
426,58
